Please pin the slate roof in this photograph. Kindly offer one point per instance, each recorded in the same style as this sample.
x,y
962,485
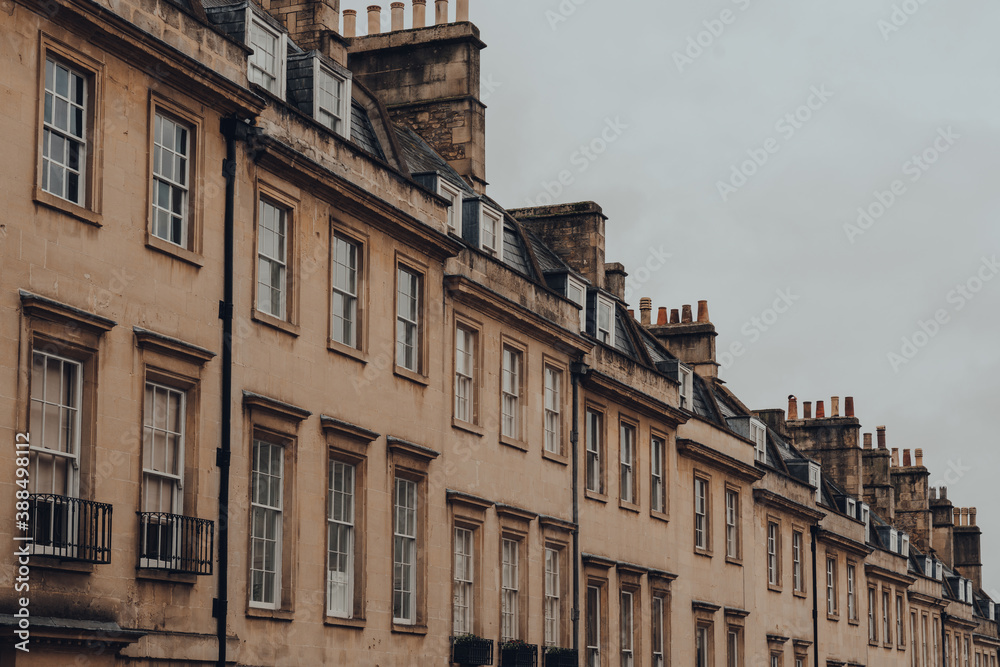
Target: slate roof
x,y
363,133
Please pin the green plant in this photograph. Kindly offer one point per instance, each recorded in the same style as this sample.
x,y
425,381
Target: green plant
x,y
558,650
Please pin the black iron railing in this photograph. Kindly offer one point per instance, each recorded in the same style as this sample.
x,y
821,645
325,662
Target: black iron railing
x,y
69,528
175,543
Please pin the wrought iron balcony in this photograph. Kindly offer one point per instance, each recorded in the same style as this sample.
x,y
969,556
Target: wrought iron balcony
x,y
176,543
69,528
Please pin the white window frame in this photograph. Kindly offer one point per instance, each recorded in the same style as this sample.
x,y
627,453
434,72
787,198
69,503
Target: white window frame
x,y
273,513
686,390
658,636
553,409
150,473
491,224
341,116
605,335
510,585
627,628
872,624
512,375
758,435
273,257
172,184
594,435
553,597
733,647
732,523
405,534
626,446
345,317
280,57
574,286
852,600
700,513
816,479
465,371
773,541
408,321
344,524
463,599
831,585
797,579
702,646
657,467
886,617
52,132
900,623
454,195
592,631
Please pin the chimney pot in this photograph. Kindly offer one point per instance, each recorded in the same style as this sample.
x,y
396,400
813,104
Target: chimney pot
x,y
965,516
820,410
807,410
880,430
645,308
703,312
686,317
631,313
440,12
419,13
944,493
374,19
972,516
958,516
906,458
895,457
933,494
661,316
675,316
396,16
793,408
835,406
462,11
350,23
919,454
849,406
868,440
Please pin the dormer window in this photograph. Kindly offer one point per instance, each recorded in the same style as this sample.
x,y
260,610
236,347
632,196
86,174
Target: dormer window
x,y
577,293
605,320
893,540
454,196
686,377
968,591
815,479
266,65
904,546
333,96
852,508
866,517
492,225
758,434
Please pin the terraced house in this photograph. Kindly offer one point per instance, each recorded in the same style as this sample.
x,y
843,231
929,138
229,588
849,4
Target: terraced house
x,y
283,385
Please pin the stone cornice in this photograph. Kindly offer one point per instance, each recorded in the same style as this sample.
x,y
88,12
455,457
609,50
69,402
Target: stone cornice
x,y
597,561
34,305
332,424
882,573
619,392
467,499
424,454
772,499
718,460
274,406
512,512
172,347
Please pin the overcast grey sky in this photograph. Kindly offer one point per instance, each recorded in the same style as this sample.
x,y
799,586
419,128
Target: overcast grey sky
x,y
686,102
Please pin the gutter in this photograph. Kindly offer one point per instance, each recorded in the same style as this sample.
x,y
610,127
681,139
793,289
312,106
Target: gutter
x,y
814,530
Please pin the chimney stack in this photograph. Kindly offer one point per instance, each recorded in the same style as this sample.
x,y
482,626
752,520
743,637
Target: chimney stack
x,y
895,457
419,13
919,454
793,408
686,317
350,23
849,406
462,11
906,458
440,12
880,430
868,440
820,410
645,308
944,493
397,9
374,19
807,410
835,406
631,313
703,312
661,316
675,316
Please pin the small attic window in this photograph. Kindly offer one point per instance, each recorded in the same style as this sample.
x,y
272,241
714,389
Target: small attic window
x,y
605,320
852,508
333,100
904,546
577,293
815,479
685,376
454,195
866,517
758,434
492,226
266,65
893,540
968,591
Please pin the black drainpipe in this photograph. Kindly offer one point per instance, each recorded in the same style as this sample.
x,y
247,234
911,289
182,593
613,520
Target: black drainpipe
x,y
233,129
813,530
944,640
577,370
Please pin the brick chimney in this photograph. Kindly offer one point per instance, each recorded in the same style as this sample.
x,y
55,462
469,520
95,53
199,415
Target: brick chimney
x,y
614,279
943,524
428,78
911,487
574,231
693,342
834,442
968,548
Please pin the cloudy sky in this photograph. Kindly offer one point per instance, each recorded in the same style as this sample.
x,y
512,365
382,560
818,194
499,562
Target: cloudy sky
x,y
745,138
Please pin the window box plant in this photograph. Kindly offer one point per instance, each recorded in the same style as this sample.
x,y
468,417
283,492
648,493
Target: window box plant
x,y
471,650
516,653
561,657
